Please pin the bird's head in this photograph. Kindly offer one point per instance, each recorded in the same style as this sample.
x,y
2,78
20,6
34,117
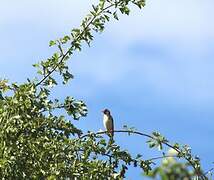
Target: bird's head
x,y
106,112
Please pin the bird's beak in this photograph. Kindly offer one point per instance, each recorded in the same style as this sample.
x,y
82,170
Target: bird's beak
x,y
102,111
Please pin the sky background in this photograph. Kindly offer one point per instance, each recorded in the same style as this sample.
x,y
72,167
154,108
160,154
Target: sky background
x,y
154,69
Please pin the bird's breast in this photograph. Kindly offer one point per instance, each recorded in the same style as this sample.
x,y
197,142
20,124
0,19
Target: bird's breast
x,y
107,122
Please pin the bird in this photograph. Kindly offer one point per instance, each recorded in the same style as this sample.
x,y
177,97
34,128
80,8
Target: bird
x,y
108,122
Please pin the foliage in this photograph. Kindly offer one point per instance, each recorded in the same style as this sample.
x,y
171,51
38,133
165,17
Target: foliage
x,y
171,169
35,143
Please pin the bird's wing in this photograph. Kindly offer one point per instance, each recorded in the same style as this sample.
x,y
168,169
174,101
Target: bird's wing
x,y
112,130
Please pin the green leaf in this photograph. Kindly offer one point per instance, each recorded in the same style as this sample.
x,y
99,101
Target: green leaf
x,y
67,76
52,43
115,15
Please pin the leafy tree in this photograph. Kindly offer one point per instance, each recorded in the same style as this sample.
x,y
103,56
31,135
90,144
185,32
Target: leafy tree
x,y
37,143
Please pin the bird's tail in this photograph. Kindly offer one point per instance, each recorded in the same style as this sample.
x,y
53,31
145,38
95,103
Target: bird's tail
x,y
111,135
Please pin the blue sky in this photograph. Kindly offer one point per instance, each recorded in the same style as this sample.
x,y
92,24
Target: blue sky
x,y
153,69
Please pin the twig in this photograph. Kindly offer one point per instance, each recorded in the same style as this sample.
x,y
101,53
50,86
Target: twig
x,y
56,107
208,171
161,157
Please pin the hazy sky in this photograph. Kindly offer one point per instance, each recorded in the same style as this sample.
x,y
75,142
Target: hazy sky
x,y
154,69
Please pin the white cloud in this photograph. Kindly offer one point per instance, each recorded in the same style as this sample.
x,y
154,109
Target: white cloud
x,y
52,13
165,20
185,21
183,29
181,81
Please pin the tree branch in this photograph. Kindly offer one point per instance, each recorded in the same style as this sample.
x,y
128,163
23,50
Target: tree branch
x,y
151,137
72,46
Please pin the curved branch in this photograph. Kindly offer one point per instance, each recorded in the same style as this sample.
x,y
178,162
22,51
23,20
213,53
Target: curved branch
x,y
161,157
151,137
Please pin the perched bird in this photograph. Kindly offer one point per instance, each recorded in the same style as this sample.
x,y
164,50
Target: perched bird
x,y
108,122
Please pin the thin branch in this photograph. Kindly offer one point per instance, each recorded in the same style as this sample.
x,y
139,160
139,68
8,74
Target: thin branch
x,y
78,38
151,137
118,131
208,171
52,108
161,157
60,48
